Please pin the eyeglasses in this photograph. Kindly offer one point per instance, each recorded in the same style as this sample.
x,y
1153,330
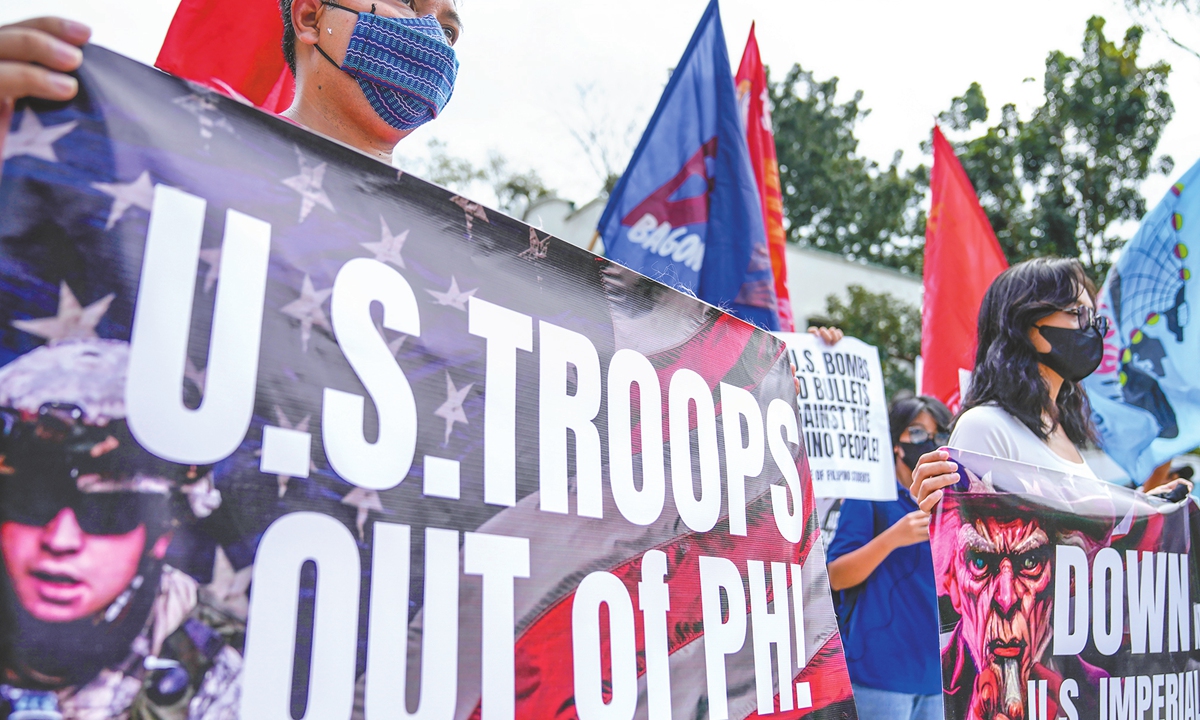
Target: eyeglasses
x,y
1087,317
36,502
917,435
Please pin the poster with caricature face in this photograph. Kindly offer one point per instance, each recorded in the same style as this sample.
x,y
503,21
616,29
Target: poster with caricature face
x,y
286,433
1064,597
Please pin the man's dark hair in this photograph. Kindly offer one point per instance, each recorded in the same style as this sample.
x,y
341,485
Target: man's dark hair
x,y
1006,363
289,35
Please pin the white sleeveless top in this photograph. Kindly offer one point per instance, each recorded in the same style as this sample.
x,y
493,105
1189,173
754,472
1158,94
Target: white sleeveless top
x,y
991,430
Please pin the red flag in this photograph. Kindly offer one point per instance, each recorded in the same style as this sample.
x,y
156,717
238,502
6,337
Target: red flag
x,y
751,82
962,257
233,46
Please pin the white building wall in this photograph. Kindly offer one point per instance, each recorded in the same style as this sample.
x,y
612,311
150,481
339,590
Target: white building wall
x,y
814,275
563,220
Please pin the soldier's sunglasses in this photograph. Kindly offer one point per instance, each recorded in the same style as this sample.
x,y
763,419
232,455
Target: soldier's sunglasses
x,y
34,502
43,454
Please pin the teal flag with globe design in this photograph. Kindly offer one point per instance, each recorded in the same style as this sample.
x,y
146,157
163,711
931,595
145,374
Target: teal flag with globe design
x,y
1146,394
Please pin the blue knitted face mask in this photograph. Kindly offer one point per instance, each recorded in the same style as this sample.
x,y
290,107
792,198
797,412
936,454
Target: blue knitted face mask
x,y
405,66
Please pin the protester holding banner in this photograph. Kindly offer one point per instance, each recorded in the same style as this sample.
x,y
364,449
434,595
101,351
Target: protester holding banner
x,y
1024,510
397,67
881,562
369,100
1039,336
34,57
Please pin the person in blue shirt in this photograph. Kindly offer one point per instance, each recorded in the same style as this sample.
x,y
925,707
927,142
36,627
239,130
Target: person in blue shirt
x,y
880,560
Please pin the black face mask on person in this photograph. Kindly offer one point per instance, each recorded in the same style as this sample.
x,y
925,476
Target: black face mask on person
x,y
1074,353
920,442
911,452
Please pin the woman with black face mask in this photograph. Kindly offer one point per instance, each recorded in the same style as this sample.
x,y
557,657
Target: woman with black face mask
x,y
1039,336
881,563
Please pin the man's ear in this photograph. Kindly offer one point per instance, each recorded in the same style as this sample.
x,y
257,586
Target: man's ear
x,y
305,15
159,549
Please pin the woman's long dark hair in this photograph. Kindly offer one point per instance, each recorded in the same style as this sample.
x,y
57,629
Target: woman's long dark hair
x,y
1006,363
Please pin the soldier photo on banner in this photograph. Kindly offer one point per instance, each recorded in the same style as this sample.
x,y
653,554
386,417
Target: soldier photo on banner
x,y
91,599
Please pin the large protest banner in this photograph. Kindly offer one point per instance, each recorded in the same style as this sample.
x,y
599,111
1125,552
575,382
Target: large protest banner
x,y
1064,597
289,434
843,417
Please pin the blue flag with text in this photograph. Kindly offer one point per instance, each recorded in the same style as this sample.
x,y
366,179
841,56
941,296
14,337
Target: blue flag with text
x,y
687,212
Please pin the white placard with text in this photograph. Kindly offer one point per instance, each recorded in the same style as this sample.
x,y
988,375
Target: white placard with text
x,y
843,417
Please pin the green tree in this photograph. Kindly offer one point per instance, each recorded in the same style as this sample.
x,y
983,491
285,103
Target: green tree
x,y
514,190
833,198
888,323
1064,181
1191,6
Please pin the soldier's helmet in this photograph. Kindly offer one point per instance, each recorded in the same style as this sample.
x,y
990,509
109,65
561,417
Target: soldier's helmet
x,y
63,434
